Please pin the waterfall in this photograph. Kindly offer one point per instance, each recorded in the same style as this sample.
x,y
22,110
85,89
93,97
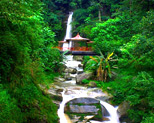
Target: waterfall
x,y
68,35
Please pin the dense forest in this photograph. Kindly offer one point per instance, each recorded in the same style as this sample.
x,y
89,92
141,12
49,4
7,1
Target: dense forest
x,y
123,35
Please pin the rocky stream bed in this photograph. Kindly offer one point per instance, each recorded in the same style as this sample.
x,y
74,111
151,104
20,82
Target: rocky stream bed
x,y
81,104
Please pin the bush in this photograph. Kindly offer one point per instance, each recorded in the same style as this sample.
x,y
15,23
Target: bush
x,y
34,105
149,119
9,111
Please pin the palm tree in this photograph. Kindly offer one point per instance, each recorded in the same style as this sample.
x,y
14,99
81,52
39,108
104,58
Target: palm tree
x,y
102,66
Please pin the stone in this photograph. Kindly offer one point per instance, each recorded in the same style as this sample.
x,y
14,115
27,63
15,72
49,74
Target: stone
x,y
104,111
56,102
67,77
104,98
63,67
59,79
66,70
122,112
109,88
71,70
86,108
80,65
80,77
55,96
123,107
83,109
78,58
80,72
106,119
92,84
84,101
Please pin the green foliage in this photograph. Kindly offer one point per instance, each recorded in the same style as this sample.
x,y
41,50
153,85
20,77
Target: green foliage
x,y
51,59
141,96
137,91
109,36
25,38
34,105
10,112
148,119
85,81
101,66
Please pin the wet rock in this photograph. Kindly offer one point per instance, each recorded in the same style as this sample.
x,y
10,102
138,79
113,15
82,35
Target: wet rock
x,y
55,93
71,70
80,77
109,88
59,79
56,102
122,112
84,101
104,111
78,58
68,92
80,72
67,77
55,96
106,119
66,70
63,67
86,107
83,109
92,84
80,65
104,98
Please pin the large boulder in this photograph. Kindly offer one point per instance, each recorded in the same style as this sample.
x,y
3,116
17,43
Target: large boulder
x,y
80,77
122,112
84,101
55,94
84,107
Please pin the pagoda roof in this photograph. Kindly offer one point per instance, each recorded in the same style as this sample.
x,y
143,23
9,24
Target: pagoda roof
x,y
78,38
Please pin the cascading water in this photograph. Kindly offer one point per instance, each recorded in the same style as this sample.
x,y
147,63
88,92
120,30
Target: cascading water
x,y
68,35
73,91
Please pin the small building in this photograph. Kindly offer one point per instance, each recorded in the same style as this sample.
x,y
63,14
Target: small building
x,y
76,43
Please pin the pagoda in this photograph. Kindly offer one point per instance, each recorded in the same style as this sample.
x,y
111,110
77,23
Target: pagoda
x,y
76,43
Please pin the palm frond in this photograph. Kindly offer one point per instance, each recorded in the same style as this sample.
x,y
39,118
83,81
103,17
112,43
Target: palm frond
x,y
94,59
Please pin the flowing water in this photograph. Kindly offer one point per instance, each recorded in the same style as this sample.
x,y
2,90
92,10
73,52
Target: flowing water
x,y
72,91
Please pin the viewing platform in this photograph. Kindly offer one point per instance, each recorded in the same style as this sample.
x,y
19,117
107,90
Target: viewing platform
x,y
76,46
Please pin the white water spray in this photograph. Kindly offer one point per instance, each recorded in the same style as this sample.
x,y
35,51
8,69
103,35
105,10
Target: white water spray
x,y
68,35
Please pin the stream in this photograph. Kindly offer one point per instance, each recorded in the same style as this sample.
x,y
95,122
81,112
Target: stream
x,y
72,91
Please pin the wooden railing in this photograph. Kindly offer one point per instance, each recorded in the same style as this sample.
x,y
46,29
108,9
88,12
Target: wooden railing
x,y
76,48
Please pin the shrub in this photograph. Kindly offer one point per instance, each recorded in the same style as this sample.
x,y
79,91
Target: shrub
x,y
9,111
